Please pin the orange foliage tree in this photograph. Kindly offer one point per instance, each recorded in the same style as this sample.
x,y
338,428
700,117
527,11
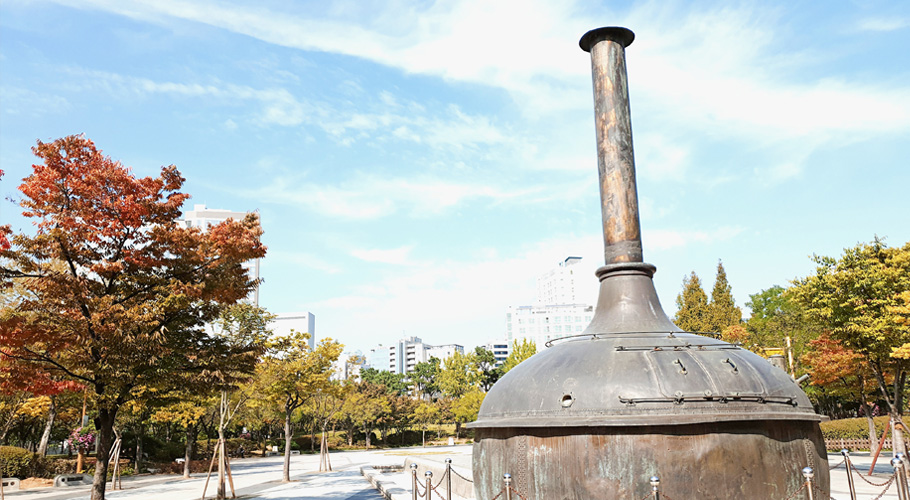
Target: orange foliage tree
x,y
114,293
842,372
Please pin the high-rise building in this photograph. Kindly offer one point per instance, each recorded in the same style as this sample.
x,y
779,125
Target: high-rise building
x,y
557,286
348,366
500,349
204,218
299,322
405,354
441,352
558,311
544,323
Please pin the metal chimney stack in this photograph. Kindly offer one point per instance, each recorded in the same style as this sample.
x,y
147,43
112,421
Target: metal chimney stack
x,y
596,415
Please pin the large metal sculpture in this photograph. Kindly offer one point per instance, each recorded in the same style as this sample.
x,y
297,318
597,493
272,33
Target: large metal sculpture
x,y
633,396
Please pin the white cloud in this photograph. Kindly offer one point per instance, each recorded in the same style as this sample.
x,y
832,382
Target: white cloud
x,y
703,70
396,256
369,197
445,299
665,239
281,258
883,23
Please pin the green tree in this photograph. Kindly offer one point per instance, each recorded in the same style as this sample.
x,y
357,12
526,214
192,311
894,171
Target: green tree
x,y
291,374
425,414
458,375
128,306
722,310
466,408
366,406
777,317
424,376
692,314
485,363
859,298
393,382
521,350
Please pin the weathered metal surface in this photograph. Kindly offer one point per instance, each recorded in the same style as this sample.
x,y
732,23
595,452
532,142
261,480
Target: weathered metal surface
x,y
596,415
639,379
615,158
723,461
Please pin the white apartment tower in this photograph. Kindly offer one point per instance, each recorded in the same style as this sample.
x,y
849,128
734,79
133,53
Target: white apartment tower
x,y
557,312
299,322
204,218
557,286
403,356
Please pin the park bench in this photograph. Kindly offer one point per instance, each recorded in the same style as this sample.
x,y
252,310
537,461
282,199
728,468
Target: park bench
x,y
10,484
71,480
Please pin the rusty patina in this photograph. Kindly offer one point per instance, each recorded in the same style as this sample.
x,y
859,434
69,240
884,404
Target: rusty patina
x,y
596,415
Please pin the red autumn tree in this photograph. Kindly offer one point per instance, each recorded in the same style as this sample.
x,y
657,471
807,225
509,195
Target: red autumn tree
x,y
114,294
842,372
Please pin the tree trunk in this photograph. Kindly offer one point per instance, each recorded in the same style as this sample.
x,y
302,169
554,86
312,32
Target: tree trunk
x,y
46,436
188,452
367,431
898,432
139,450
286,473
104,422
313,438
351,430
423,437
866,408
222,463
457,430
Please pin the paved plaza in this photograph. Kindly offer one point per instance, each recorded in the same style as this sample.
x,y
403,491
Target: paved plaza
x,y
260,478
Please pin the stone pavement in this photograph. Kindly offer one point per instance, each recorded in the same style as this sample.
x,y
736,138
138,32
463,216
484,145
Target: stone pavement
x,y
260,478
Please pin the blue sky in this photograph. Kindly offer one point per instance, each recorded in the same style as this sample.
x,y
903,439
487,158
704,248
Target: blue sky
x,y
417,164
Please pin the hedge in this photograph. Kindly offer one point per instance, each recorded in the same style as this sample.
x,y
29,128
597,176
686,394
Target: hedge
x,y
852,428
18,462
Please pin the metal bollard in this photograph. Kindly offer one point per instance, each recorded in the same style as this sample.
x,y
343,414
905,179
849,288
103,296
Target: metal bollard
x,y
846,453
414,481
904,477
655,484
808,473
898,465
448,479
508,480
429,490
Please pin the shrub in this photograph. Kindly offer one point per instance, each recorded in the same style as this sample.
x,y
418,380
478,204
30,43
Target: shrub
x,y
852,428
18,462
405,438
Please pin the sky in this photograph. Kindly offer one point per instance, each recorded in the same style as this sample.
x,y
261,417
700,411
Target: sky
x,y
417,164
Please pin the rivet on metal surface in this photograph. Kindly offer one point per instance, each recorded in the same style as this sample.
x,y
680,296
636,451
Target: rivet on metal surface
x,y
682,369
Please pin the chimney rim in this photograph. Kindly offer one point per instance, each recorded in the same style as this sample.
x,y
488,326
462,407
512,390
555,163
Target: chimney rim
x,y
618,34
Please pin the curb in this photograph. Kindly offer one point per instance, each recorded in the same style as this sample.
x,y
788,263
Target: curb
x,y
388,489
